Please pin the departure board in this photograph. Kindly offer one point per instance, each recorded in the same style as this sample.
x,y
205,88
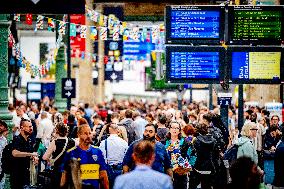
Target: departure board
x,y
256,64
195,24
259,25
193,63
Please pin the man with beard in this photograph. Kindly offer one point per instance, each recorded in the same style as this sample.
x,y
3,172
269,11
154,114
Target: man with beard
x,y
162,162
92,168
22,152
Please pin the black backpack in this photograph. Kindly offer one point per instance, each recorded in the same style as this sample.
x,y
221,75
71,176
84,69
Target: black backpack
x,y
7,159
231,155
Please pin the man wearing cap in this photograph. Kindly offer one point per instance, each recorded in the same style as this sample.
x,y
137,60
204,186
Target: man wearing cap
x,y
114,149
3,143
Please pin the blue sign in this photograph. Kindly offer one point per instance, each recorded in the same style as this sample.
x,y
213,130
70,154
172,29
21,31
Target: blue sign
x,y
134,50
224,101
194,65
240,63
189,24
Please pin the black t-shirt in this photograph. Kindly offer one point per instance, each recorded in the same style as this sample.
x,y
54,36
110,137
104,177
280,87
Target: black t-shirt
x,y
21,165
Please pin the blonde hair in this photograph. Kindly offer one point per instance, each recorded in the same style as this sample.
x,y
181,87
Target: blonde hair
x,y
247,127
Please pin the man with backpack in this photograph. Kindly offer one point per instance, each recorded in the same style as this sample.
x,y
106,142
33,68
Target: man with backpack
x,y
127,123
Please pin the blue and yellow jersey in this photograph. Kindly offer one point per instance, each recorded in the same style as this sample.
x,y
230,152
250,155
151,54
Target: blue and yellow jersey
x,y
91,163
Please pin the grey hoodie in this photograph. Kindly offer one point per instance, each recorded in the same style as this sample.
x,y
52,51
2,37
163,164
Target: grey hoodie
x,y
246,149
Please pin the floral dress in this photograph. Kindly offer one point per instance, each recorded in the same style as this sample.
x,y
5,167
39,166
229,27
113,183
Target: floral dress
x,y
183,159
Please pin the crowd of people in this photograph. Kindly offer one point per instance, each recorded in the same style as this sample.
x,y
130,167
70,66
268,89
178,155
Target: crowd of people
x,y
135,144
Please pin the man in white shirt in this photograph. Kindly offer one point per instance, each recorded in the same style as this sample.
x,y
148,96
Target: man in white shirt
x,y
20,115
139,125
114,151
45,129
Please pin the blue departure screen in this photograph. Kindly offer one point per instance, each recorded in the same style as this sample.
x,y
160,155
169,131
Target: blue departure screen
x,y
190,24
194,65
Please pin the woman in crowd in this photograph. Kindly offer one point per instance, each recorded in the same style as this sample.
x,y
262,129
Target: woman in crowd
x,y
245,144
180,151
56,151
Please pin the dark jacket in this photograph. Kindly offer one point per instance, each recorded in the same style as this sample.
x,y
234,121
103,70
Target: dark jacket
x,y
279,165
127,123
205,146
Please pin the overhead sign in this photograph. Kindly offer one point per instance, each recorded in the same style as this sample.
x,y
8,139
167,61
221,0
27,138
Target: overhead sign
x,y
43,6
68,88
224,99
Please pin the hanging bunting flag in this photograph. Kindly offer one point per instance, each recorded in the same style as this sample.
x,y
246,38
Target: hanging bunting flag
x,y
111,21
83,55
39,22
101,19
103,33
115,34
73,31
95,16
90,14
50,24
42,70
94,33
12,61
59,40
83,31
61,28
155,34
135,32
126,34
29,19
122,28
94,58
148,35
17,17
105,21
65,18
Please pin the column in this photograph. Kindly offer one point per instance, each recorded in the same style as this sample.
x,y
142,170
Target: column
x,y
60,73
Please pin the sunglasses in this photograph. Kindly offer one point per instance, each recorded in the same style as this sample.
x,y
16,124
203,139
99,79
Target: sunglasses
x,y
254,129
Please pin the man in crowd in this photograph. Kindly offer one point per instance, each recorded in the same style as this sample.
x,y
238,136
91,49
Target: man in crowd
x,y
91,161
23,152
127,123
162,162
44,129
143,176
138,125
114,149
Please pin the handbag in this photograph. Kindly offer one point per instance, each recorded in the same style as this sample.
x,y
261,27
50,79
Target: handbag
x,y
52,161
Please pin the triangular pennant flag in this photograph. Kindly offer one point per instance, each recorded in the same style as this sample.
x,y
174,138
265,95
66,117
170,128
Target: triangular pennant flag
x,y
61,28
105,21
103,33
83,31
12,61
29,19
94,33
95,16
50,24
101,20
39,22
17,17
115,34
155,34
83,55
73,31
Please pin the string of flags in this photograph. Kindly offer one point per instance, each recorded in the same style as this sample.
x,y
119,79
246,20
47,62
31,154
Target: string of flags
x,y
107,28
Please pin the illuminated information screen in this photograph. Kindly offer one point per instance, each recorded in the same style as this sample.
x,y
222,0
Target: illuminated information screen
x,y
188,22
260,25
256,65
194,65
